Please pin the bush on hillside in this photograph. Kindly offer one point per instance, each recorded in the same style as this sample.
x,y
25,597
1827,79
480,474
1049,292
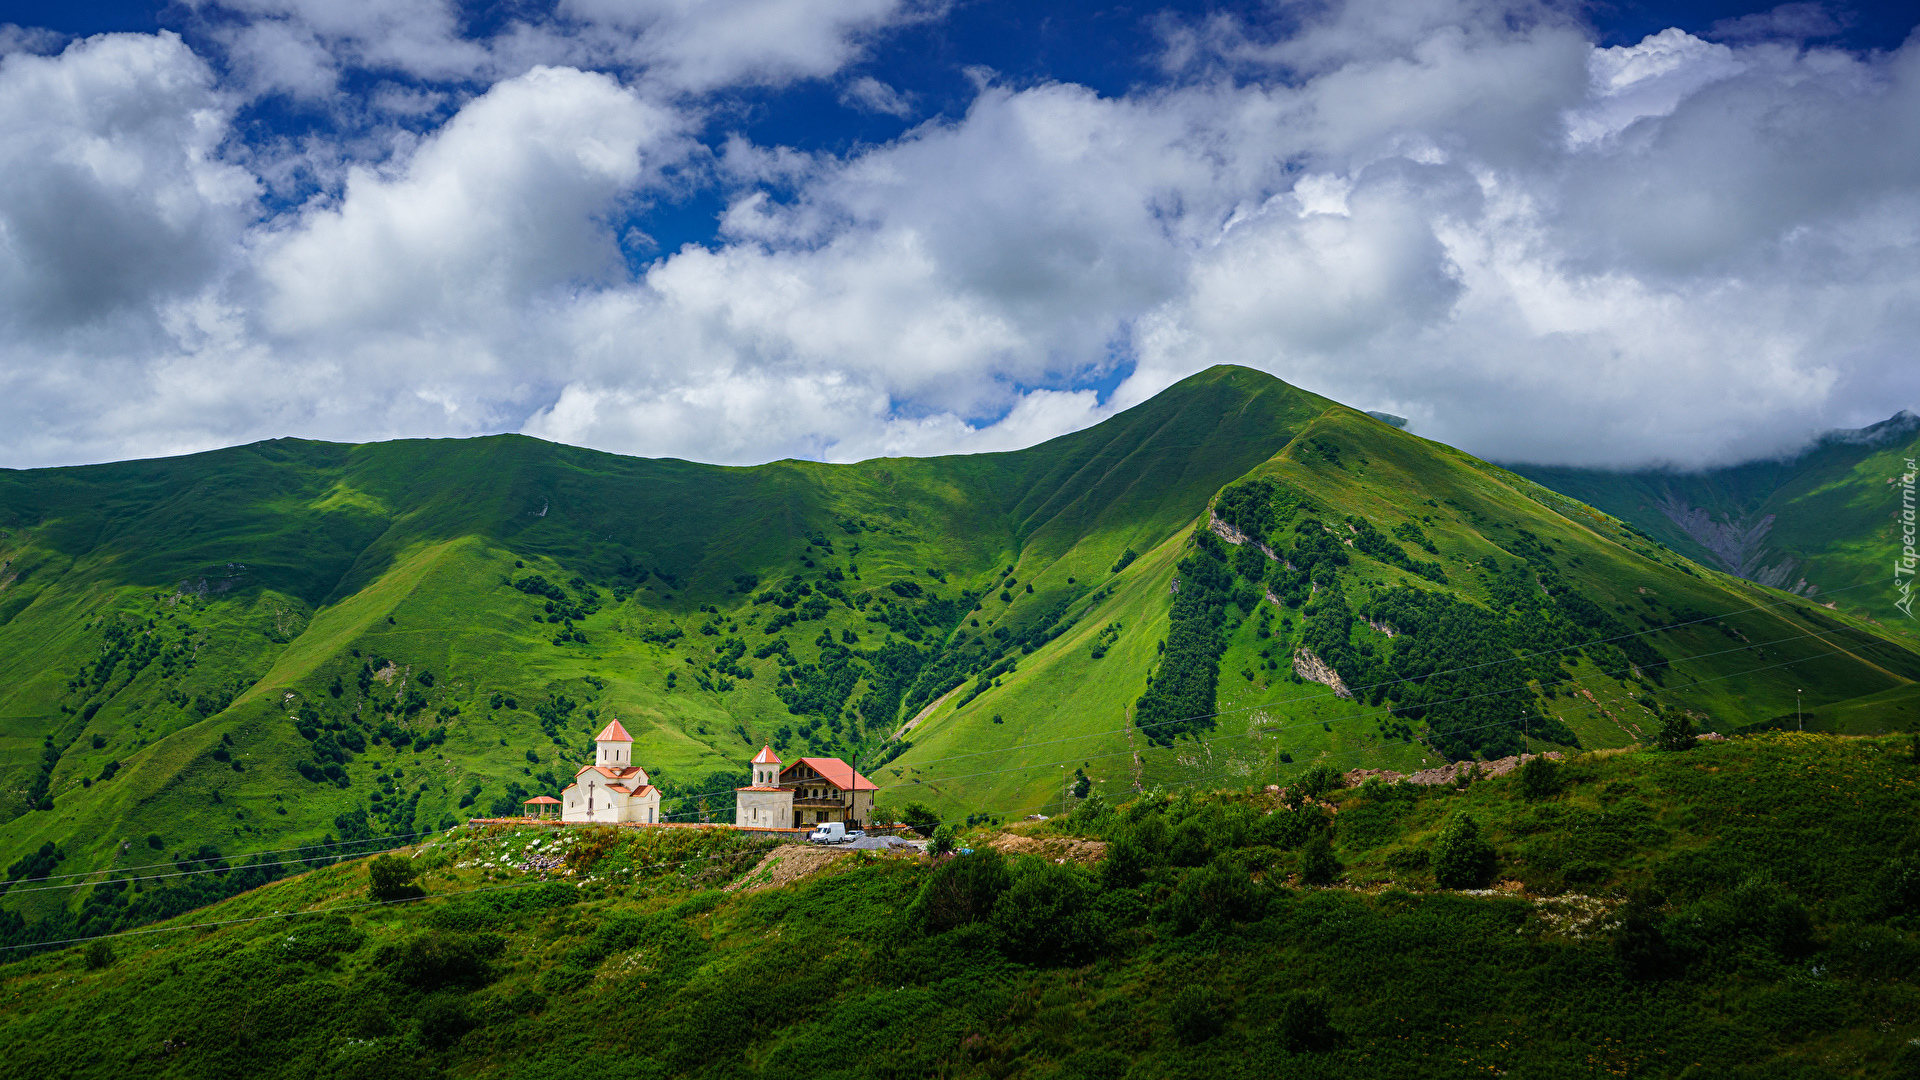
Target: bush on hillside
x,y
1127,864
961,890
443,1020
390,878
942,841
1215,897
1676,732
1195,1014
1639,945
1462,858
1047,916
1540,779
98,955
920,817
1898,886
439,960
1319,780
1317,864
1306,1023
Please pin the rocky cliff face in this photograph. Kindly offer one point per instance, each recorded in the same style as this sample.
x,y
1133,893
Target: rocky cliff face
x,y
1740,545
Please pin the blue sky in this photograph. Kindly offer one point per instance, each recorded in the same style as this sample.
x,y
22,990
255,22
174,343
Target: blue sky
x,y
749,229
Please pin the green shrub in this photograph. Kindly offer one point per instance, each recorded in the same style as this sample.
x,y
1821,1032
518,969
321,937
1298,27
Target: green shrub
x,y
1317,864
1319,780
1047,915
1192,843
1462,859
440,959
961,890
98,955
1153,835
920,817
1194,1014
390,878
1540,779
1306,1023
1290,828
1639,945
1214,897
1128,863
1898,886
1676,732
943,840
443,1020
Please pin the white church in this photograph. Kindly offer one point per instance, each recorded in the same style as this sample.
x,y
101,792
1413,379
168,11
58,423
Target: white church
x,y
612,789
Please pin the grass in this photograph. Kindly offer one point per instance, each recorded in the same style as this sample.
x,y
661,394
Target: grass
x,y
636,961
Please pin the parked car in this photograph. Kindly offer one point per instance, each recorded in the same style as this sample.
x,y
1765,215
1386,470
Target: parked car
x,y
834,832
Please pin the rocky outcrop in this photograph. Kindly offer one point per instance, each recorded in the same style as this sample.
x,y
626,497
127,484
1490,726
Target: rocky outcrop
x,y
1447,774
1226,531
1738,545
1310,667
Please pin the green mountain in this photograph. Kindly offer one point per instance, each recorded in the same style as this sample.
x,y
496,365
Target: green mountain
x,y
299,643
1823,523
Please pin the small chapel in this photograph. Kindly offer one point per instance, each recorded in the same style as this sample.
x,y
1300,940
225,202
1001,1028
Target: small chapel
x,y
612,789
811,791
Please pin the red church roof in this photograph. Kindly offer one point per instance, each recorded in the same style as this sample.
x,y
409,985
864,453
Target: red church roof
x,y
766,756
838,773
613,733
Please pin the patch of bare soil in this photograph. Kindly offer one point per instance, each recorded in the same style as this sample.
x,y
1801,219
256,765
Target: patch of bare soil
x,y
785,865
1055,848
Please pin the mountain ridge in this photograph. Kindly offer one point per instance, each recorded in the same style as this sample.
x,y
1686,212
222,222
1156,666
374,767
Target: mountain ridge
x,y
292,641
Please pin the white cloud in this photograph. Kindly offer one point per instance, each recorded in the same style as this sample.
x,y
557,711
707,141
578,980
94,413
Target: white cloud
x,y
112,198
1465,213
869,94
302,47
499,206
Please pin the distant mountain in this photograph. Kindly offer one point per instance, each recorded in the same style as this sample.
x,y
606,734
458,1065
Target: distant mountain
x,y
293,641
1821,523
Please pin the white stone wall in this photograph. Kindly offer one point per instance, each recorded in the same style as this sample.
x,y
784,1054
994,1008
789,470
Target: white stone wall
x,y
763,809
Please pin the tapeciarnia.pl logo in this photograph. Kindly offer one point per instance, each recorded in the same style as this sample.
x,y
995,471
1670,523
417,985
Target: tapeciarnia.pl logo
x,y
1903,566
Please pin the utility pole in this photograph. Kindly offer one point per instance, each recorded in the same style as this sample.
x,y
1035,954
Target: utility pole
x,y
1798,714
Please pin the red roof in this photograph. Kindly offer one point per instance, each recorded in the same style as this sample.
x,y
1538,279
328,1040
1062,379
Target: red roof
x,y
766,756
543,800
838,773
613,732
613,772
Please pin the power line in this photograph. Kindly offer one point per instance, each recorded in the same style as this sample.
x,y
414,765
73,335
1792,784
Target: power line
x,y
247,855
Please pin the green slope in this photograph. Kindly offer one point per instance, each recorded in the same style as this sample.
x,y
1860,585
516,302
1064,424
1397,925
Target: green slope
x,y
289,642
1824,523
1745,910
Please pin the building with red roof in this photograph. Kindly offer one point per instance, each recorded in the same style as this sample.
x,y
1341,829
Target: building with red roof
x,y
612,789
808,792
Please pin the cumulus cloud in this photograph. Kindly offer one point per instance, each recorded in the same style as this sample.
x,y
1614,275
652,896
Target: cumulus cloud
x,y
113,199
1462,212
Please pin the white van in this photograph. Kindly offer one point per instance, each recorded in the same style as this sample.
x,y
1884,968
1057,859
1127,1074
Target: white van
x,y
833,832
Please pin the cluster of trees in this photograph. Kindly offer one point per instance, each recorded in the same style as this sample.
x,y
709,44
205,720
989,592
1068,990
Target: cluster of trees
x,y
1371,541
1180,692
1459,668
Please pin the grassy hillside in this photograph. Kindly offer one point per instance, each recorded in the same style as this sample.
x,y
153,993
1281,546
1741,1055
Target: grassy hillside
x,y
293,642
1745,910
1824,522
